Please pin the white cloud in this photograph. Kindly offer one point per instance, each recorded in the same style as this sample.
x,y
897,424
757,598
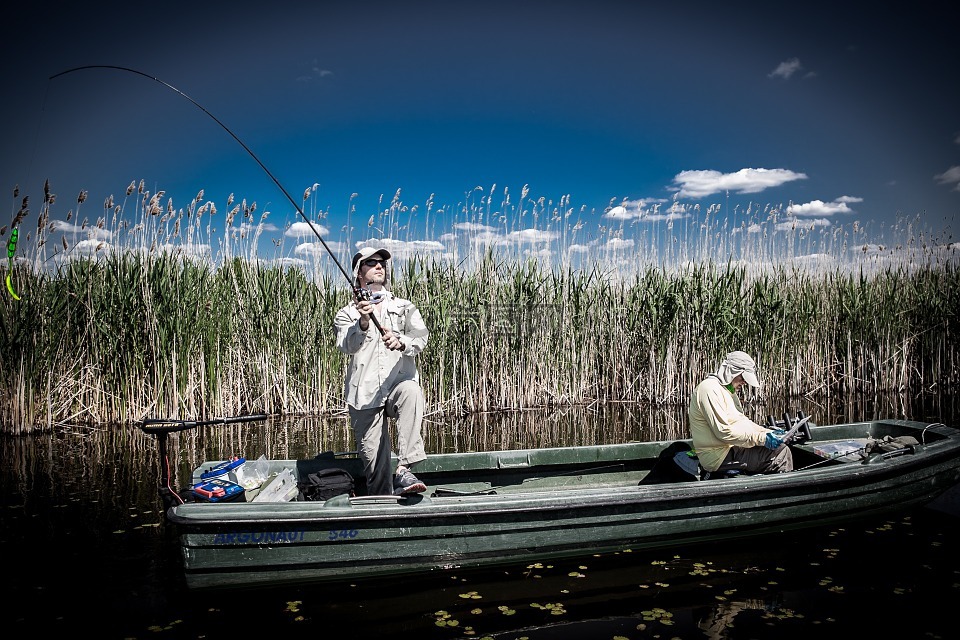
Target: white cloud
x,y
302,230
619,244
950,176
315,73
316,249
514,238
821,208
870,248
531,236
621,212
911,255
634,209
849,199
578,248
66,227
89,248
189,250
403,248
815,261
676,211
699,184
487,237
543,253
473,226
290,262
670,215
794,224
786,69
92,232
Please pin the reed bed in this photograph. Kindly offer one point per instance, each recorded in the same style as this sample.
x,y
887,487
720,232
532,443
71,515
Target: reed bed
x,y
164,326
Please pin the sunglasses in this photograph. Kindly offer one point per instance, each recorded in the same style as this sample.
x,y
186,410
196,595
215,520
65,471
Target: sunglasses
x,y
372,262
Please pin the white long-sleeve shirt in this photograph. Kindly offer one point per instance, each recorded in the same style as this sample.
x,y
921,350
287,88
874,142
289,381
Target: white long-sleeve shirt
x,y
374,369
717,423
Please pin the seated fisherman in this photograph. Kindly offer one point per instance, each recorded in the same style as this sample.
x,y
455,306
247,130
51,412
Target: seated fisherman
x,y
722,433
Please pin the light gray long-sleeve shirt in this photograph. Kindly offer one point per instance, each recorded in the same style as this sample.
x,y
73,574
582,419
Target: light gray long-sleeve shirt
x,y
717,423
374,369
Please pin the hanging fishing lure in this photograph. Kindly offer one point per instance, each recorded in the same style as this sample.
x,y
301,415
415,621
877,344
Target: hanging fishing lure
x,y
11,252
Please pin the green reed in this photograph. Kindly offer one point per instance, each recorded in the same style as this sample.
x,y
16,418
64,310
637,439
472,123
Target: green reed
x,y
152,329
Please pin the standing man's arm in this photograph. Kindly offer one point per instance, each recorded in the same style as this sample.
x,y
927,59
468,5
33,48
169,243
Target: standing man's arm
x,y
350,334
413,337
415,333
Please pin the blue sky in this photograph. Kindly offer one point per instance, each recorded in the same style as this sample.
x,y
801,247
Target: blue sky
x,y
547,126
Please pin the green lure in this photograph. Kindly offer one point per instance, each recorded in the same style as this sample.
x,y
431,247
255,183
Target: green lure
x,y
11,251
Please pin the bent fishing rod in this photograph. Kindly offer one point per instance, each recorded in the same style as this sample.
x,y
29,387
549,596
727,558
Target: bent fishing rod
x,y
358,292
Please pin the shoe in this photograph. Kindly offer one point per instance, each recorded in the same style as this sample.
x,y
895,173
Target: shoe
x,y
405,483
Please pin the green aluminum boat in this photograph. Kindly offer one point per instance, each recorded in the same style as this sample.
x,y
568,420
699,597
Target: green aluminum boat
x,y
522,506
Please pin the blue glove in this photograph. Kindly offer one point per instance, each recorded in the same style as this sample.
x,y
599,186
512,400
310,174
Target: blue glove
x,y
774,439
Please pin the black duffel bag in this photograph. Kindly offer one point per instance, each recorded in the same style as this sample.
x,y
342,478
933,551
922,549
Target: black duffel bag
x,y
326,483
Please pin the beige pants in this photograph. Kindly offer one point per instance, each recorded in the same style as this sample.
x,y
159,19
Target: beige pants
x,y
371,429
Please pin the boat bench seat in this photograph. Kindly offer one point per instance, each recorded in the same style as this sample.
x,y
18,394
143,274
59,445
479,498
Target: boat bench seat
x,y
538,483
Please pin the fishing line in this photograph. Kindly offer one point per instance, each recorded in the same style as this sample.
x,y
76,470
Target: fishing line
x,y
36,137
358,292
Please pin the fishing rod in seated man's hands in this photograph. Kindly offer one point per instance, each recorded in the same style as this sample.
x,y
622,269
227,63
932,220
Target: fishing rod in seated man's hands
x,y
358,292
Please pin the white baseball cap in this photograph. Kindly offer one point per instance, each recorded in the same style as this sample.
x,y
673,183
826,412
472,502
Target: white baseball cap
x,y
740,363
369,252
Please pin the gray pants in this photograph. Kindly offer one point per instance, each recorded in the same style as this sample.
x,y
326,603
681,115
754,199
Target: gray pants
x,y
371,429
761,459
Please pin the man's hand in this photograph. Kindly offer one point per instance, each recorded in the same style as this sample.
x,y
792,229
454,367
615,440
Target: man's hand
x,y
774,439
392,340
365,308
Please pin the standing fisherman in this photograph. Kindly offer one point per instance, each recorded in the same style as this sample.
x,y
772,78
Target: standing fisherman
x,y
382,380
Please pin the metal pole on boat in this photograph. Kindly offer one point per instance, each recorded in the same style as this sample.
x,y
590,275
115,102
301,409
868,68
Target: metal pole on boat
x,y
161,428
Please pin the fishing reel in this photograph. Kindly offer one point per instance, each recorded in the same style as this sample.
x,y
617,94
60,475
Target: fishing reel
x,y
797,429
375,297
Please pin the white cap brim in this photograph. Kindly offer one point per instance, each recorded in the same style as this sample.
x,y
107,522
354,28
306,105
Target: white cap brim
x,y
368,252
750,378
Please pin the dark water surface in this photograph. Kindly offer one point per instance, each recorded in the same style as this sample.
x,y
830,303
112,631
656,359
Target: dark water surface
x,y
85,551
